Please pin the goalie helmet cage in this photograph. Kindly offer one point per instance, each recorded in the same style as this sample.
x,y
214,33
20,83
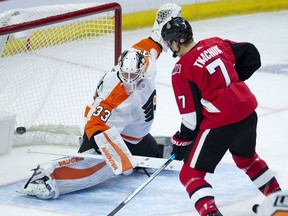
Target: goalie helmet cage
x,y
51,60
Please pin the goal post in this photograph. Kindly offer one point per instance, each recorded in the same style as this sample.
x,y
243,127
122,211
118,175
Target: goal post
x,y
61,17
51,59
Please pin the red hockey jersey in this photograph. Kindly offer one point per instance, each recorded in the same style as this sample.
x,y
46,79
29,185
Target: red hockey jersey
x,y
208,83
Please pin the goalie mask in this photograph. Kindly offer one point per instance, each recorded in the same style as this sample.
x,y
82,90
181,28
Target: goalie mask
x,y
132,65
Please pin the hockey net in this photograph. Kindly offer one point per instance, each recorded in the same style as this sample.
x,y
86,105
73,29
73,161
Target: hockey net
x,y
51,59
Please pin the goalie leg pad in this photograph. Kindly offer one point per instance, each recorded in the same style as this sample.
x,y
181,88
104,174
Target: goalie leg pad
x,y
115,151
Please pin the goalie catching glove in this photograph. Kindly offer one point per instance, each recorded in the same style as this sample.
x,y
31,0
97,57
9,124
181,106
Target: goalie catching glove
x,y
165,13
181,144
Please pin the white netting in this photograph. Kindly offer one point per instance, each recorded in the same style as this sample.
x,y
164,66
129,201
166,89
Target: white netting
x,y
49,73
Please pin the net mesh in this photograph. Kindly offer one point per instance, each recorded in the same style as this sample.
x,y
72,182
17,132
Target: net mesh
x,y
49,73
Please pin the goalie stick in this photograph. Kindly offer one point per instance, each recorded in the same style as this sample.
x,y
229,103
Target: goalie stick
x,y
122,204
142,161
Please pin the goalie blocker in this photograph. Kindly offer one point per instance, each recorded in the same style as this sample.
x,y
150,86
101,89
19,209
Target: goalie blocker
x,y
115,151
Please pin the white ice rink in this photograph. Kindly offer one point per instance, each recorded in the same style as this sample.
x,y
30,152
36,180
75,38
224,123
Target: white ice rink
x,y
235,195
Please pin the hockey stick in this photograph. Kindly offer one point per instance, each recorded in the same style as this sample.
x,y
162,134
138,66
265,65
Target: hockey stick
x,y
142,161
122,204
63,153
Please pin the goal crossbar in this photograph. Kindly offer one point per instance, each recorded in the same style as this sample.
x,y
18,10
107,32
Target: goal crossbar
x,y
67,16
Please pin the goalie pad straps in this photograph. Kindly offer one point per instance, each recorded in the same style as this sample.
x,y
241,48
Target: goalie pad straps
x,y
115,152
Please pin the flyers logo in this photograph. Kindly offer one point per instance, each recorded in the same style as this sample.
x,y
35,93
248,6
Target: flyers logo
x,y
150,106
176,69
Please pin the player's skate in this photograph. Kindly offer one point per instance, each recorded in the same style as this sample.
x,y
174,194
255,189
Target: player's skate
x,y
40,185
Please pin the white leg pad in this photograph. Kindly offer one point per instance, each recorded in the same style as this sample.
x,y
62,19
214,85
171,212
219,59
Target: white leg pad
x,y
115,151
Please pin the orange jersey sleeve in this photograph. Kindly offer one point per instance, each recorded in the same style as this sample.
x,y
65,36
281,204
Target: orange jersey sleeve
x,y
102,112
148,44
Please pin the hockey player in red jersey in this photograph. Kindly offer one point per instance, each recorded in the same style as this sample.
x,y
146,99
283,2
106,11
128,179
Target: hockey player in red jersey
x,y
122,110
217,110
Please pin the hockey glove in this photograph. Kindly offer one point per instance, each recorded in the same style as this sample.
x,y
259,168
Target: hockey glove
x,y
180,145
164,14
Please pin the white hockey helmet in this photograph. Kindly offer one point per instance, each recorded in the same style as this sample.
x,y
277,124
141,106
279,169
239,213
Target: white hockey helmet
x,y
132,64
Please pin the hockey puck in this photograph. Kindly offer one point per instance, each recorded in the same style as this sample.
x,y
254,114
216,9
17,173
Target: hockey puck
x,y
20,130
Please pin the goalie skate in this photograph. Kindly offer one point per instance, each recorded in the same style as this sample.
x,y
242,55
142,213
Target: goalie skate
x,y
41,188
40,185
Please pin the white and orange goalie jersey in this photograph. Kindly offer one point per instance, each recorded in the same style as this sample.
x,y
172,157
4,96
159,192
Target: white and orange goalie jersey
x,y
132,114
